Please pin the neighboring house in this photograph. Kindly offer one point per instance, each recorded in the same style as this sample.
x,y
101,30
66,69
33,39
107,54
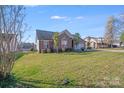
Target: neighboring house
x,y
118,43
8,42
94,42
44,40
27,46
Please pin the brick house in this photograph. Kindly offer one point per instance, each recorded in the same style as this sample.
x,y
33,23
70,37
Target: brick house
x,y
44,40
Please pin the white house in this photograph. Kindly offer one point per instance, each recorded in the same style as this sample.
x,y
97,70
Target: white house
x,y
95,42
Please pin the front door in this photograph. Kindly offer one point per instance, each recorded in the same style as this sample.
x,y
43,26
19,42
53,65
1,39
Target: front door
x,y
72,44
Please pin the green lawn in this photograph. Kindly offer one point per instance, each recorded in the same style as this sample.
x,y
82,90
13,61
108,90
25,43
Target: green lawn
x,y
88,69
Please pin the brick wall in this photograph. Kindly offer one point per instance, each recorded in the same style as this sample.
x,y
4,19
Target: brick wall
x,y
64,36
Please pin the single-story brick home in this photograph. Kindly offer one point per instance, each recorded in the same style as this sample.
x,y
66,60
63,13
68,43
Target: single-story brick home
x,y
44,40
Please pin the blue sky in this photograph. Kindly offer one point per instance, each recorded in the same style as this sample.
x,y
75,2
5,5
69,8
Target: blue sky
x,y
86,20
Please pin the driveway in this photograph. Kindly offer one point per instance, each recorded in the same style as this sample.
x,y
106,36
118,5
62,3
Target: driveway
x,y
110,50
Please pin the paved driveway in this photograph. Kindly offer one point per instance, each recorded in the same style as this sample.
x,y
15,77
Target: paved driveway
x,y
110,50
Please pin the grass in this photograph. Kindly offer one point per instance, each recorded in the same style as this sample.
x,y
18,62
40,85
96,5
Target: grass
x,y
87,69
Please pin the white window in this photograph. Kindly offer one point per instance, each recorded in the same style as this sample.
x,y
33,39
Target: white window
x,y
64,43
46,44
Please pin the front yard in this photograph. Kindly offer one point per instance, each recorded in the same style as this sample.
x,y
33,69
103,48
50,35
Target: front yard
x,y
87,69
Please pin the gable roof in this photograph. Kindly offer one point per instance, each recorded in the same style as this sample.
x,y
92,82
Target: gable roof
x,y
44,35
48,35
67,32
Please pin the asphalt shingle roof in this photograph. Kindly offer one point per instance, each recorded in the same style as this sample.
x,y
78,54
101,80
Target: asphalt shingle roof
x,y
48,35
44,35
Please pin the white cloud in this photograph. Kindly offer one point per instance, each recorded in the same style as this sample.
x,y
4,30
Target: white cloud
x,y
58,17
79,17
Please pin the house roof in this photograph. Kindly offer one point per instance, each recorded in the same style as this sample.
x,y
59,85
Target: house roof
x,y
44,35
48,35
67,32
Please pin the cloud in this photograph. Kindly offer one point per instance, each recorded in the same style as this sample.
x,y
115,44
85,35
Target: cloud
x,y
79,17
58,17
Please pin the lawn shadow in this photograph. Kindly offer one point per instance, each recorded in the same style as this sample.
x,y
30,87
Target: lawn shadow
x,y
19,55
8,82
78,53
13,82
49,84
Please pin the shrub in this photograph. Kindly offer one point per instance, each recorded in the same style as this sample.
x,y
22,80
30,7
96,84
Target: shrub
x,y
82,48
68,49
32,49
43,51
19,55
48,50
63,49
60,50
89,47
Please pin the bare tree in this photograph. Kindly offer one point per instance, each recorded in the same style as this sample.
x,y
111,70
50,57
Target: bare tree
x,y
11,29
88,42
122,38
110,31
120,28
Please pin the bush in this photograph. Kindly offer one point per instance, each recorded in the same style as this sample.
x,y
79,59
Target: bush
x,y
10,81
19,55
89,47
68,49
48,50
63,49
32,49
52,50
60,50
82,48
43,51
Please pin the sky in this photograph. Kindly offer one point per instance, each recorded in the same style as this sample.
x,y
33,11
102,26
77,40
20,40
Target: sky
x,y
87,20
